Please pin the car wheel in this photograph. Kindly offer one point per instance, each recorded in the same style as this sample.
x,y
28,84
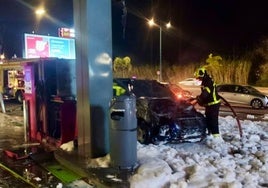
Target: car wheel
x,y
19,96
143,133
256,103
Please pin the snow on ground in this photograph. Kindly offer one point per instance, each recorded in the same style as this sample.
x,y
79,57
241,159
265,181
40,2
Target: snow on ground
x,y
234,162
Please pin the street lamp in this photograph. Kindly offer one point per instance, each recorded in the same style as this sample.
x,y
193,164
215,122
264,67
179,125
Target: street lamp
x,y
151,23
2,57
40,11
39,14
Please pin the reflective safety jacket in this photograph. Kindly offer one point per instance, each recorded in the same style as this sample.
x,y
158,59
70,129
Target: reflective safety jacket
x,y
118,90
209,95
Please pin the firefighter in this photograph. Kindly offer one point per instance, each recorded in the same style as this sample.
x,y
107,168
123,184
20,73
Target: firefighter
x,y
210,99
118,90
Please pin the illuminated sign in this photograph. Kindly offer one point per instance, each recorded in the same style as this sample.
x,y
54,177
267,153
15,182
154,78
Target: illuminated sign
x,y
37,46
66,32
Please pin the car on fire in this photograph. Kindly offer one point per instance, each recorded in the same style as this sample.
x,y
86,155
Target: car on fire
x,y
243,95
161,117
179,92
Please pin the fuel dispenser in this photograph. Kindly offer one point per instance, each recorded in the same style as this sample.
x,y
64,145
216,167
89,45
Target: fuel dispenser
x,y
50,100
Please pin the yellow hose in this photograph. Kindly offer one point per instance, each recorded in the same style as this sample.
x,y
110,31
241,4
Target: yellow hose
x,y
16,175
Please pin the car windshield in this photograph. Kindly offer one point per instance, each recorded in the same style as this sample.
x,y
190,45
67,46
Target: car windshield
x,y
150,88
252,89
146,88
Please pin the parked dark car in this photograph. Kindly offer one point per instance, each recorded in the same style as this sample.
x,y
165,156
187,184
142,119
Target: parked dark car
x,y
161,116
243,95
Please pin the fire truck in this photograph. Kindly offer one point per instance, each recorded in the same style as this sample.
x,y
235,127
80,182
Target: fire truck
x,y
12,80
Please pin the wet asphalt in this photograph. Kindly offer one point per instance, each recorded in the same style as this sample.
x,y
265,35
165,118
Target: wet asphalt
x,y
24,164
17,168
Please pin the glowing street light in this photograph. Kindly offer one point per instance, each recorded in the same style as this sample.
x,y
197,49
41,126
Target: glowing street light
x,y
2,58
40,12
167,25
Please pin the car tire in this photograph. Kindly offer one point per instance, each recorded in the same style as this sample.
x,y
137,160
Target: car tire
x,y
256,103
19,96
143,132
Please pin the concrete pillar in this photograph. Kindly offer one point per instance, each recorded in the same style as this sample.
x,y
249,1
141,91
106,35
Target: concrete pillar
x,y
93,30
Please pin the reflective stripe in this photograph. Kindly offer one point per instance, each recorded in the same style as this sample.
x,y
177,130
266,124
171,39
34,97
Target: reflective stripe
x,y
216,135
215,101
119,90
207,88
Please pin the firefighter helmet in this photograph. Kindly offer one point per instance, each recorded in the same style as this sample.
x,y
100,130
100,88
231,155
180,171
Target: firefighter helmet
x,y
199,73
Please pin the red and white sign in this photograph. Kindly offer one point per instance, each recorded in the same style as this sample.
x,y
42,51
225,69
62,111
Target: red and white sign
x,y
37,46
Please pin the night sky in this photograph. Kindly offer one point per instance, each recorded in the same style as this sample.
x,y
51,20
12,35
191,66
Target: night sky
x,y
222,27
18,17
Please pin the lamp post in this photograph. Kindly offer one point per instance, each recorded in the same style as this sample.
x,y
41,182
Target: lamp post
x,y
168,25
39,14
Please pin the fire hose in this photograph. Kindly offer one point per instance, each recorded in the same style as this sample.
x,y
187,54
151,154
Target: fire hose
x,y
235,115
193,101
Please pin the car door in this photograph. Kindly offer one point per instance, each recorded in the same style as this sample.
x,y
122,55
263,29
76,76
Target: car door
x,y
242,95
238,95
227,92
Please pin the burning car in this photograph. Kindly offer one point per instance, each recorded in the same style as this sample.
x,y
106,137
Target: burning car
x,y
178,91
161,117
